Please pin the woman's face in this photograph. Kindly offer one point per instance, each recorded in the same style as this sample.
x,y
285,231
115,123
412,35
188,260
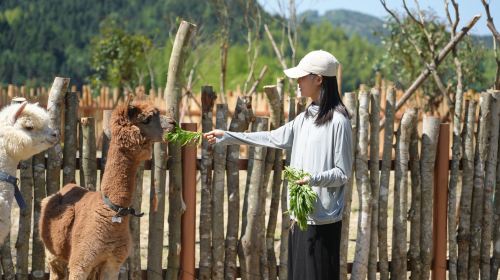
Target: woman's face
x,y
310,86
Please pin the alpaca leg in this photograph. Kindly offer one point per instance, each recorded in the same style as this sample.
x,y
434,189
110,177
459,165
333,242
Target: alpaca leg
x,y
109,271
57,267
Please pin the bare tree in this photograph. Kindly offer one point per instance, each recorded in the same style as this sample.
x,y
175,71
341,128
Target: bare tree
x,y
430,40
496,41
221,8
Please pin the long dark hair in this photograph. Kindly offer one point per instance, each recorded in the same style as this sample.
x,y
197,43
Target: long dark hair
x,y
329,102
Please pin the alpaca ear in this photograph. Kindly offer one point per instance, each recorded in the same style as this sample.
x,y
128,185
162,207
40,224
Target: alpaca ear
x,y
20,110
129,99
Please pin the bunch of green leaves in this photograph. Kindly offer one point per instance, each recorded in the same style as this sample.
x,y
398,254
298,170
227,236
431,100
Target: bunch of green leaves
x,y
302,197
183,137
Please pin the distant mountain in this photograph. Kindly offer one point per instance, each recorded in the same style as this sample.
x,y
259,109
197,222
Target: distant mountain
x,y
367,26
352,22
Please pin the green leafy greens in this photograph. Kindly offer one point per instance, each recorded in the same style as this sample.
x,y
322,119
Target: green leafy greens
x,y
302,197
183,137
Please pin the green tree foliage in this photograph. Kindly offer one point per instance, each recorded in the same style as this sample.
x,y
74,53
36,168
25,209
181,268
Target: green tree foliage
x,y
118,58
41,39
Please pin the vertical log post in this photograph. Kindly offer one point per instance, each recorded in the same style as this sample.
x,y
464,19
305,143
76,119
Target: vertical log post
x,y
441,171
416,206
23,236
251,245
157,211
70,137
430,135
399,238
106,138
385,174
489,186
241,119
360,265
374,180
350,100
274,158
218,197
208,97
173,95
189,216
463,234
88,169
54,105
39,193
480,157
134,260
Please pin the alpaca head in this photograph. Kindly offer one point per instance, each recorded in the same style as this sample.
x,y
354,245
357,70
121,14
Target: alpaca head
x,y
135,126
25,131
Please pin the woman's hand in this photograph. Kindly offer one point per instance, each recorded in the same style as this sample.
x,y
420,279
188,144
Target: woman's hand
x,y
213,135
303,181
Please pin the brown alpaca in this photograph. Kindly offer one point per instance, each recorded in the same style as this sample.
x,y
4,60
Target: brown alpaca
x,y
80,231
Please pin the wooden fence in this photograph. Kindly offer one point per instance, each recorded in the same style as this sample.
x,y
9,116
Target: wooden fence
x,y
223,218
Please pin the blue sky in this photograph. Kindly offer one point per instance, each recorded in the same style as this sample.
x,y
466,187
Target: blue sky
x,y
468,8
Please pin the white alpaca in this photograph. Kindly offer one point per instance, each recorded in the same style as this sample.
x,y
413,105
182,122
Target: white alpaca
x,y
24,132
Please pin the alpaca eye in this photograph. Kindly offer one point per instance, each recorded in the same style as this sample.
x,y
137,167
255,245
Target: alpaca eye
x,y
29,128
147,120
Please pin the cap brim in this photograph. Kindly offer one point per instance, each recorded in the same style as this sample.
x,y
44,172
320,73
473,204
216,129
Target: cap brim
x,y
295,73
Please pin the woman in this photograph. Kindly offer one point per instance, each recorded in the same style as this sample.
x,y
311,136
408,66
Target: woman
x,y
320,140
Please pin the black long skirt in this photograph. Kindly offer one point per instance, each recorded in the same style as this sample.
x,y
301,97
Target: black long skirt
x,y
315,252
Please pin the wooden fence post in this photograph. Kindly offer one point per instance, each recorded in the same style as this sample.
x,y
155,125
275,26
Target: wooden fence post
x,y
70,137
441,171
189,216
54,105
88,166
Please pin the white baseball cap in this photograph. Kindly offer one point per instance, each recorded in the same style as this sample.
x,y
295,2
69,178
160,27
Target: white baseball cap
x,y
316,62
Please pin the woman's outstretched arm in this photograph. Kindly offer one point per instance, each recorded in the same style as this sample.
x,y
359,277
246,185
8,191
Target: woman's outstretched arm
x,y
280,138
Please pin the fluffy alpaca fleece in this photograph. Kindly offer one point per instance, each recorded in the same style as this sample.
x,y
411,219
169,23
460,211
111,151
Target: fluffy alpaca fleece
x,y
76,226
24,132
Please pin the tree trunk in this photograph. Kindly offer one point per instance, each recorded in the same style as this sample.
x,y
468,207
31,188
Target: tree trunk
x,y
285,217
134,259
173,93
351,104
239,123
489,186
250,244
463,235
430,133
24,232
398,257
385,176
88,171
374,180
416,206
218,197
157,212
54,105
275,100
70,134
477,192
208,97
39,193
360,265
